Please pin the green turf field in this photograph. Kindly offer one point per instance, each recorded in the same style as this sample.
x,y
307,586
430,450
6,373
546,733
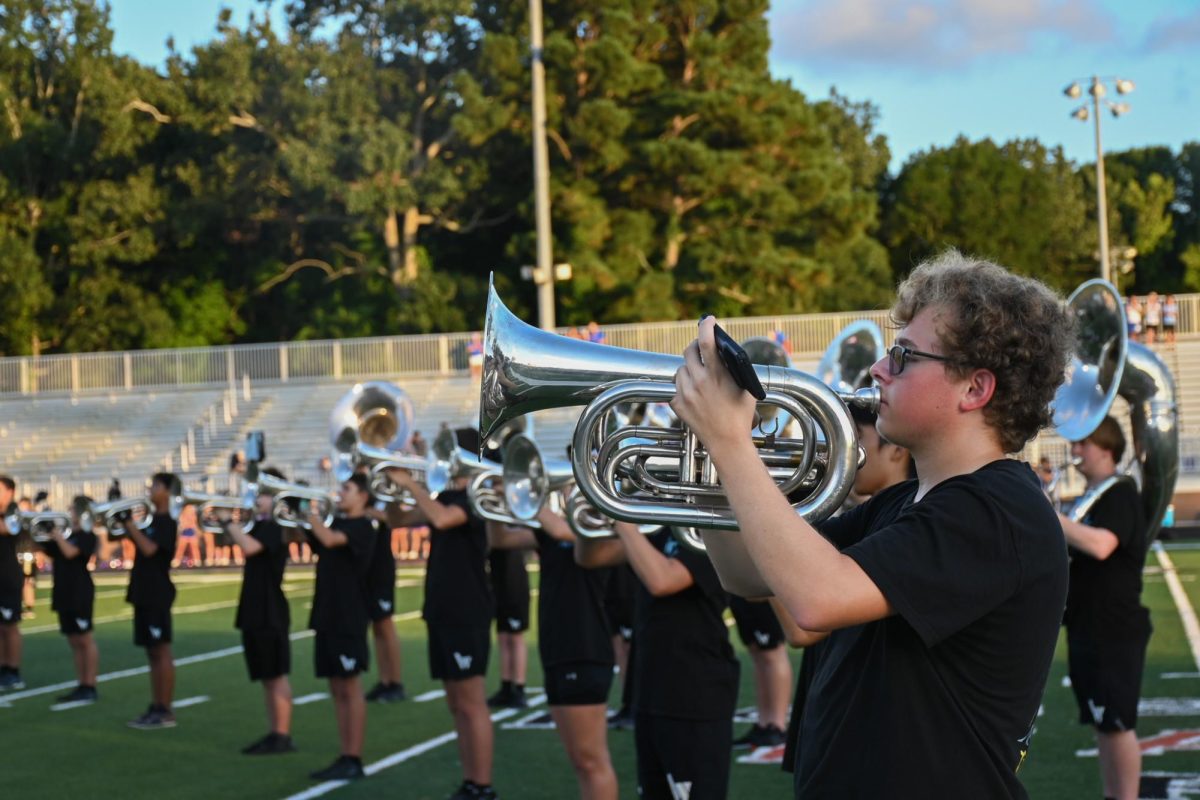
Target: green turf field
x,y
89,752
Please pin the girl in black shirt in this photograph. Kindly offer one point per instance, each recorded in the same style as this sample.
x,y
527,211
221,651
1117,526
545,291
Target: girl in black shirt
x,y
73,598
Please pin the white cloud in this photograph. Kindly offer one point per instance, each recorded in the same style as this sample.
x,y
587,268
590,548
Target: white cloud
x,y
1170,32
928,33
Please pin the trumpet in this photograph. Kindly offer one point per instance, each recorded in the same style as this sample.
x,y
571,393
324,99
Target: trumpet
x,y
283,491
115,512
222,507
526,369
530,478
39,524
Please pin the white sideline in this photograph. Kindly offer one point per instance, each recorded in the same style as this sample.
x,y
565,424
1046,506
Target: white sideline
x,y
1191,627
310,698
402,756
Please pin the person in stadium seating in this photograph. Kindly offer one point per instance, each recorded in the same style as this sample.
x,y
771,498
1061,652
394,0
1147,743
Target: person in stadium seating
x,y
510,588
457,613
1108,628
942,598
73,598
684,673
263,617
340,618
152,594
187,553
575,647
381,599
11,582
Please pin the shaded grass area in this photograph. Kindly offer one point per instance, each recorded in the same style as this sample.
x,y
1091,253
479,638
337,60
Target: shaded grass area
x,y
90,752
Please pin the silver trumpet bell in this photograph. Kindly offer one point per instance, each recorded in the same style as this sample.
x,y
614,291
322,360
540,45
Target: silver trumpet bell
x,y
526,369
486,496
530,478
221,508
283,491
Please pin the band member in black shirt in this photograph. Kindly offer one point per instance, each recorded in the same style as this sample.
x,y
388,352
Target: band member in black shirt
x,y
381,589
510,587
763,637
73,598
574,645
1108,628
618,605
264,618
152,594
340,618
943,596
685,675
11,582
458,613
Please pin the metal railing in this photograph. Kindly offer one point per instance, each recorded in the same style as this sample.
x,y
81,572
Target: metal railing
x,y
420,355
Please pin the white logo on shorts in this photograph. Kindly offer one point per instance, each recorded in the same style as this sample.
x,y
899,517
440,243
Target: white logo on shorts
x,y
680,790
7,613
514,623
571,676
348,662
1097,711
155,632
626,632
464,662
82,624
763,638
385,605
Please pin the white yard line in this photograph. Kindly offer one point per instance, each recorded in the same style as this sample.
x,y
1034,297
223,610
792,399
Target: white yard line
x,y
190,701
1191,626
310,698
400,757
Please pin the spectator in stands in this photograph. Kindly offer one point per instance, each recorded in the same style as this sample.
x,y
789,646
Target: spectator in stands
x,y
594,334
10,594
1152,317
1170,318
324,465
1133,318
781,339
574,333
237,463
418,445
188,551
114,489
475,354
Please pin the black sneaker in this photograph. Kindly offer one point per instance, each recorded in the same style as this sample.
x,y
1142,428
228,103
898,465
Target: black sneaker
x,y
377,692
516,698
80,694
760,736
395,693
622,720
344,768
270,745
154,719
473,791
500,698
10,680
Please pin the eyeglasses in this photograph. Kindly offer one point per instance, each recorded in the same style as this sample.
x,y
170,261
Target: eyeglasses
x,y
899,355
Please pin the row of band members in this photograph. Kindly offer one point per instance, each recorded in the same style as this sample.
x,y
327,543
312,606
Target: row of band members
x,y
684,676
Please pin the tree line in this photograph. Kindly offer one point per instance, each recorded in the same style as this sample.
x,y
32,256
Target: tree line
x,y
364,170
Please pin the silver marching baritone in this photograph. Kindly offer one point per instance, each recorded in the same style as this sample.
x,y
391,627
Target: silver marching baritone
x,y
303,496
370,426
526,369
114,512
1106,364
38,524
221,509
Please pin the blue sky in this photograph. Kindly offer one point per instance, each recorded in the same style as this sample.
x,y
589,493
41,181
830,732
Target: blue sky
x,y
934,68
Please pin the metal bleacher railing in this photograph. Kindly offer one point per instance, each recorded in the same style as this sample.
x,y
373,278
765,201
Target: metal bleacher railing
x,y
430,354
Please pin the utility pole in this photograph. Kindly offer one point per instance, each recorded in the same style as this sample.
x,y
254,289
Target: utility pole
x,y
544,273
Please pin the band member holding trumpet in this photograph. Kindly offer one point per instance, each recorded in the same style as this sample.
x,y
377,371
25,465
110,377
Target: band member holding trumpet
x,y
941,598
340,618
574,645
73,597
11,582
152,594
684,672
1108,628
264,618
381,600
458,613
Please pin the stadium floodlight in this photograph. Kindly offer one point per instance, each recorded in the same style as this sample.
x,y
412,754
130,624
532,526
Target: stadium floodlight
x,y
1081,114
1124,86
1074,91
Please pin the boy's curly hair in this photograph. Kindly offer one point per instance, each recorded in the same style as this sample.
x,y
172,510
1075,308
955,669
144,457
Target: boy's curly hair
x,y
1015,327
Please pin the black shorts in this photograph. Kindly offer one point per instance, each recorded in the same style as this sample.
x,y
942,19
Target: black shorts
x,y
382,605
338,655
618,601
268,653
1107,682
73,622
458,652
578,684
151,625
756,623
10,604
510,585
677,753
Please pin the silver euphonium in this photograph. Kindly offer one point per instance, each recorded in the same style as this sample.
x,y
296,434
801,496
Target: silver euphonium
x,y
283,491
113,511
39,524
526,369
220,507
1106,364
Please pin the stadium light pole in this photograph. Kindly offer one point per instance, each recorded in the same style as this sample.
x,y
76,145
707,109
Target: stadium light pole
x,y
1098,91
543,274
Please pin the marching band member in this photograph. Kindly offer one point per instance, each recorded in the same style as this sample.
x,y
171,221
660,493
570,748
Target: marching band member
x,y
510,588
340,618
574,645
11,581
73,598
457,612
942,598
685,675
152,594
763,637
263,617
1108,628
618,605
381,602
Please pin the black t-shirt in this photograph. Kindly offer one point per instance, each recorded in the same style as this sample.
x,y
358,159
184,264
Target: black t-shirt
x,y
10,567
456,581
939,698
150,579
340,602
1104,601
381,578
262,605
73,588
509,577
684,666
574,626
